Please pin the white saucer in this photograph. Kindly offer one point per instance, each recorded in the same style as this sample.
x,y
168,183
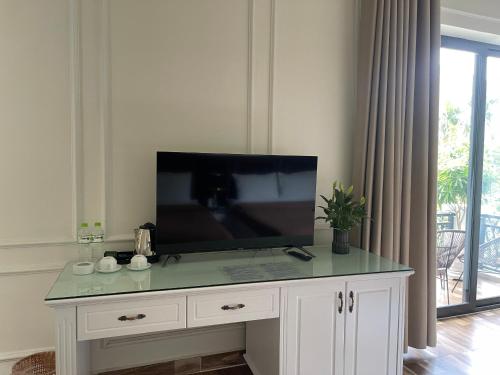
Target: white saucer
x,y
118,268
129,266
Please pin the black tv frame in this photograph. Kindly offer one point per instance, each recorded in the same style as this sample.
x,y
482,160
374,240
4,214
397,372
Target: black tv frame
x,y
297,241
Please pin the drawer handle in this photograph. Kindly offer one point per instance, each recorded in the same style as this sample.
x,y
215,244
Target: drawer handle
x,y
341,307
351,305
233,307
125,318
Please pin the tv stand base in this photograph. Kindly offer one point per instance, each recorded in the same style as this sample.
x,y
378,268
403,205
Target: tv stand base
x,y
176,257
304,250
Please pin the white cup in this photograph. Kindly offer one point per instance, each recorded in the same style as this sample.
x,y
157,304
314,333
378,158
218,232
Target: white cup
x,y
83,268
107,264
139,262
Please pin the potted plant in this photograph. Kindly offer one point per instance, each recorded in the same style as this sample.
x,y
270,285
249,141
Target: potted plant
x,y
343,213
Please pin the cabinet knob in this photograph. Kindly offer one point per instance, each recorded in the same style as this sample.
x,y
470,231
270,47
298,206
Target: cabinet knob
x,y
341,298
351,305
125,318
233,307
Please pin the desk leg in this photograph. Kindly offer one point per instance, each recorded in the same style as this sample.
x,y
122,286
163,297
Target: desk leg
x,y
72,357
263,346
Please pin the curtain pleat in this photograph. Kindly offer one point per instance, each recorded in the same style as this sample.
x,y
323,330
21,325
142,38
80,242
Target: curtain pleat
x,y
395,145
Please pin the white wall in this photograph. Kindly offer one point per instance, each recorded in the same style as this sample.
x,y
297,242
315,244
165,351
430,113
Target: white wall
x,y
90,90
474,20
488,8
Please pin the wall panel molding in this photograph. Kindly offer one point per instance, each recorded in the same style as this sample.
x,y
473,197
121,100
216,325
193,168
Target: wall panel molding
x,y
130,237
55,242
31,270
76,111
105,107
105,95
120,237
75,76
272,54
61,242
250,73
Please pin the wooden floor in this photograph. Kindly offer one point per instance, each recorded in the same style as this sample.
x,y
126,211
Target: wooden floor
x,y
467,345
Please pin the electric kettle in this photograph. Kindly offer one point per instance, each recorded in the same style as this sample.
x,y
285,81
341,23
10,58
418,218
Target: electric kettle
x,y
145,239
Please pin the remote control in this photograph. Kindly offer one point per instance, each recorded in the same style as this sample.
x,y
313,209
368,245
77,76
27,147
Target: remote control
x,y
305,258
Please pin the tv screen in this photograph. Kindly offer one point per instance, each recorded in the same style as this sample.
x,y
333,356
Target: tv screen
x,y
223,201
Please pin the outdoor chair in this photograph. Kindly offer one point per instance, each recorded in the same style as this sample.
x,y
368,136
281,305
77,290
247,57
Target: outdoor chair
x,y
449,244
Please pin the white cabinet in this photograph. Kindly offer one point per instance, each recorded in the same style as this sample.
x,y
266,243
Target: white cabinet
x,y
131,317
343,327
372,322
302,326
230,307
314,329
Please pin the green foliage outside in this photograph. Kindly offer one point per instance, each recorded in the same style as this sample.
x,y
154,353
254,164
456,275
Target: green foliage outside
x,y
452,191
454,160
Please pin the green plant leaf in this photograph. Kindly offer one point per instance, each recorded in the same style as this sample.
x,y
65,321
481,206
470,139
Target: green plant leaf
x,y
343,212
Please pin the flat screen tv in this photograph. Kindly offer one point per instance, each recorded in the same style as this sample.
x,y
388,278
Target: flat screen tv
x,y
207,202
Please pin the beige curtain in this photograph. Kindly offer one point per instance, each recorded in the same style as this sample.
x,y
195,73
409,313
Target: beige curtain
x,y
395,145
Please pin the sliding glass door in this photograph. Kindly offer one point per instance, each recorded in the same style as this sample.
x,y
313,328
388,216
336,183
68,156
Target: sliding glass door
x,y
468,218
456,94
488,266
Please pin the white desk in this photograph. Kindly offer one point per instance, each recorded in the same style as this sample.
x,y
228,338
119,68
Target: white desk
x,y
337,314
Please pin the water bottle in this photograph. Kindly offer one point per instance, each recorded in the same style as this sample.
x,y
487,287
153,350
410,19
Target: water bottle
x,y
84,238
97,241
98,232
84,235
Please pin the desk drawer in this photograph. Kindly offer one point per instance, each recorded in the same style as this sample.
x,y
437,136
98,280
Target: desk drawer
x,y
230,307
131,317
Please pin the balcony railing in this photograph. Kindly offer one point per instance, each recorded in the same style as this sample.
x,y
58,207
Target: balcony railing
x,y
489,227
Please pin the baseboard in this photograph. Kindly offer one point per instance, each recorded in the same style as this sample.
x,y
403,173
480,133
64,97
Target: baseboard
x,y
6,367
16,355
251,364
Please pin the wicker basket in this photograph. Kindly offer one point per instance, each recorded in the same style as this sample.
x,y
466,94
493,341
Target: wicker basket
x,y
36,364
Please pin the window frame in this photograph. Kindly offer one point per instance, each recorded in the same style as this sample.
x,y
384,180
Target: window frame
x,y
482,51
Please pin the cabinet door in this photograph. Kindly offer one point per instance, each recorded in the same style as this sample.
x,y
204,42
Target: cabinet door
x,y
372,322
314,329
